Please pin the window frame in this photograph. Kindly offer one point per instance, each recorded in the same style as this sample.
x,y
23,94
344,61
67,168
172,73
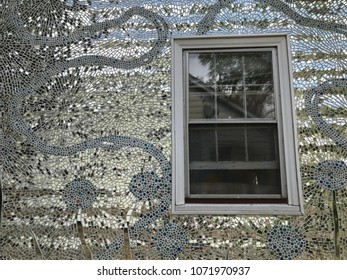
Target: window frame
x,y
285,116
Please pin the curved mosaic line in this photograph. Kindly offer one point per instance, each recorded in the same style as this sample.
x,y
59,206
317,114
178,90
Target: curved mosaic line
x,y
306,21
90,60
146,186
206,23
107,142
312,101
329,174
88,31
149,186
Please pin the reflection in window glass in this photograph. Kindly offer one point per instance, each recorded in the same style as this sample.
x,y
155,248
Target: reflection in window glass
x,y
202,143
233,142
224,85
237,182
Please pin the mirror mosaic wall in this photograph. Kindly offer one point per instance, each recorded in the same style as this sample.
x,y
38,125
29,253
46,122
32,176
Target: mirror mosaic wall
x,y
85,130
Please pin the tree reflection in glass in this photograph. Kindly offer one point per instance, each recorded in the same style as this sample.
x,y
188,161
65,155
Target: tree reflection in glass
x,y
227,85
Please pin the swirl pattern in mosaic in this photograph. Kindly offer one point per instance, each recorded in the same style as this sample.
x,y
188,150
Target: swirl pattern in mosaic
x,y
85,135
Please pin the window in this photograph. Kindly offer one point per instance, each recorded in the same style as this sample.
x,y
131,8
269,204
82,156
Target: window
x,y
234,134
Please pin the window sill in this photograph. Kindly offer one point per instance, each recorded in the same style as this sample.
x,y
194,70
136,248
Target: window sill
x,y
237,209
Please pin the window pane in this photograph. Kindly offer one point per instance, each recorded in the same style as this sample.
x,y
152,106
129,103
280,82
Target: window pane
x,y
259,85
229,69
201,86
260,102
262,142
231,143
231,104
201,67
229,85
238,182
202,143
201,105
258,68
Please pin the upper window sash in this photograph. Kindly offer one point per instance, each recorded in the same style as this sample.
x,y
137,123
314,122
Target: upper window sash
x,y
206,83
208,94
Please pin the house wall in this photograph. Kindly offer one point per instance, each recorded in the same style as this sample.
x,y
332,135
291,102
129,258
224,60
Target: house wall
x,y
85,135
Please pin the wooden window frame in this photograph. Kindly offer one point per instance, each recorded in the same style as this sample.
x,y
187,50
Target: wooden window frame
x,y
290,175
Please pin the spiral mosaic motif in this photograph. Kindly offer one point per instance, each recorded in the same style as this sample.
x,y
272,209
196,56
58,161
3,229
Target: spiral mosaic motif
x,y
313,100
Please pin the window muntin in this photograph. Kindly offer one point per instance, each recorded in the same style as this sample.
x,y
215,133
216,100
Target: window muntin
x,y
276,117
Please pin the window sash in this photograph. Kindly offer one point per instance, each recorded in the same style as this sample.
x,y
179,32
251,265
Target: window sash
x,y
186,82
243,165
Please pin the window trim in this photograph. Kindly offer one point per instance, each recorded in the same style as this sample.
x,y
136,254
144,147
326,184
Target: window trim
x,y
280,41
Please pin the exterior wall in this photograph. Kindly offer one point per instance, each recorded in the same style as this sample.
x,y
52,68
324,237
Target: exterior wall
x,y
85,136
